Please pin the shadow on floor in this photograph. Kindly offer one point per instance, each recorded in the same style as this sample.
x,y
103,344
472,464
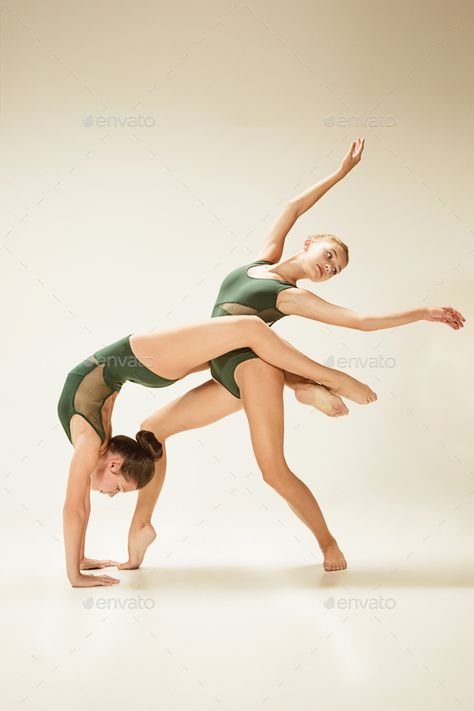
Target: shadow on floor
x,y
312,576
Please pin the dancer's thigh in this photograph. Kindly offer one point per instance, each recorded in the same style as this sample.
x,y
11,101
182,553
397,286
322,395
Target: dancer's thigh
x,y
201,406
261,390
176,352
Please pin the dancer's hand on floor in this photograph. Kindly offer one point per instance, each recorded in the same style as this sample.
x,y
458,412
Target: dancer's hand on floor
x,y
89,581
93,564
445,314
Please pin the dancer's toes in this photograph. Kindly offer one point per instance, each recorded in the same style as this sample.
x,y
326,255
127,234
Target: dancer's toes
x,y
334,559
321,398
339,410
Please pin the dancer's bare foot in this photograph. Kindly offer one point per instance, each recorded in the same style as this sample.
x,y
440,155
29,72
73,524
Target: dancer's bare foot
x,y
321,398
347,386
333,558
139,538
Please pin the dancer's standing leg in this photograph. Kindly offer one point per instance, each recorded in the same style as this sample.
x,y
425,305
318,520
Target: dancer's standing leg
x,y
266,421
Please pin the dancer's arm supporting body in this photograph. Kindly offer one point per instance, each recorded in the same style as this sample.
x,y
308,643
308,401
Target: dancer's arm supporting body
x,y
84,461
86,403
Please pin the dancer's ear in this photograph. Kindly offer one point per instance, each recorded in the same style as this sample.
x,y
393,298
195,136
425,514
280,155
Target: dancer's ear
x,y
307,244
115,464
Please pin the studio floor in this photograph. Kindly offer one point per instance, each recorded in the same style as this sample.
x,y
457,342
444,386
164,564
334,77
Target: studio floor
x,y
249,620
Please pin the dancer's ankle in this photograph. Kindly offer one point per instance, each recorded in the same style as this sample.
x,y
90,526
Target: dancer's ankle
x,y
327,543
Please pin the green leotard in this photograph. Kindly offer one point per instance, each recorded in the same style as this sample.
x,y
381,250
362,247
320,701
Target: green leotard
x,y
95,379
242,295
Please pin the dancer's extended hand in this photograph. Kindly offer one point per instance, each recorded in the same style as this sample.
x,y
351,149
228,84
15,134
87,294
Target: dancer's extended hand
x,y
353,155
92,564
445,314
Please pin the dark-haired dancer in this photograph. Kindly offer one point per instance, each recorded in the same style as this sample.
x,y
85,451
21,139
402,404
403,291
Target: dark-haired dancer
x,y
112,464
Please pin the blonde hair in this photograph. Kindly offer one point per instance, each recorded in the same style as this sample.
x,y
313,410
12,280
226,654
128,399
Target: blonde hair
x,y
334,239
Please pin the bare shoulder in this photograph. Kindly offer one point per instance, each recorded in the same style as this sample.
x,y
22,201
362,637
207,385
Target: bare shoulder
x,y
289,299
83,435
267,254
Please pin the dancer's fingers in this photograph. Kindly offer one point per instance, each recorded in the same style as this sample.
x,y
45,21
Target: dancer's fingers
x,y
455,312
107,579
458,315
454,318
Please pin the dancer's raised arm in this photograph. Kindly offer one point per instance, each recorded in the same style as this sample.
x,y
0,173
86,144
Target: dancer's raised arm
x,y
275,240
301,302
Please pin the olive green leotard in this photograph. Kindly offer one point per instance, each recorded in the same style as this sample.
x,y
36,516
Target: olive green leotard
x,y
95,379
241,295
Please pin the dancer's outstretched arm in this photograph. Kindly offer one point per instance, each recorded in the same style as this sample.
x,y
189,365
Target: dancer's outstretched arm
x,y
300,302
275,240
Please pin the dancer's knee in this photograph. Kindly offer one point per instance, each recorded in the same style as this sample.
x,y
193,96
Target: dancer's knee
x,y
275,473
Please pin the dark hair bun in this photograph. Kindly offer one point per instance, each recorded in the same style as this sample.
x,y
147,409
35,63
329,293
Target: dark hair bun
x,y
150,444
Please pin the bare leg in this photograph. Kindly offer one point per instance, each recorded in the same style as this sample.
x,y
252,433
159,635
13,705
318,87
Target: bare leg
x,y
316,395
199,407
265,417
176,352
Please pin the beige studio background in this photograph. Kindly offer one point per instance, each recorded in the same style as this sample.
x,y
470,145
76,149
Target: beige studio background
x,y
111,227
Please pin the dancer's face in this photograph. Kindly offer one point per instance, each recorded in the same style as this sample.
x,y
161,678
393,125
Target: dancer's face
x,y
323,259
107,478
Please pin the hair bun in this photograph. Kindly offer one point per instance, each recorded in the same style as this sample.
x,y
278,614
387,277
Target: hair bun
x,y
150,444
